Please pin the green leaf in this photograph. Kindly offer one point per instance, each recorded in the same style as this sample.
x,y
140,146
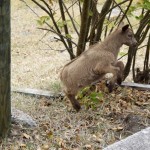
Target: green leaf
x,y
86,89
131,10
139,17
61,23
39,22
80,95
68,36
42,20
146,4
96,96
100,94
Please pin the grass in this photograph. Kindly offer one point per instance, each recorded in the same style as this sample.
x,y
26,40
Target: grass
x,y
59,126
56,87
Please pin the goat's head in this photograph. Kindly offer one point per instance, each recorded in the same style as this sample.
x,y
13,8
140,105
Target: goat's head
x,y
128,36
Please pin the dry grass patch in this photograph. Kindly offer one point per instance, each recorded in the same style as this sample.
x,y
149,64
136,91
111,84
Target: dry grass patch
x,y
115,116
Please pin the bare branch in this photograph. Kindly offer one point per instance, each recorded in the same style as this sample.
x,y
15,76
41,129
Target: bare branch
x,y
146,60
123,56
65,25
53,31
72,20
143,34
125,13
55,25
104,10
99,21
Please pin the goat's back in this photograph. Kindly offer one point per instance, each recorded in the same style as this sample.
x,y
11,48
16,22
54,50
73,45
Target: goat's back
x,y
79,72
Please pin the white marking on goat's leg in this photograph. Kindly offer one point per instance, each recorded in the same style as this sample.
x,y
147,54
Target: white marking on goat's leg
x,y
99,70
115,71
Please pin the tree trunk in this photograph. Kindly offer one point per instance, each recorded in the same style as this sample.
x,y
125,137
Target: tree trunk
x,y
5,105
102,16
83,28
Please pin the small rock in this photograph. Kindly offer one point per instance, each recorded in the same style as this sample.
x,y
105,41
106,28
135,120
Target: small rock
x,y
19,117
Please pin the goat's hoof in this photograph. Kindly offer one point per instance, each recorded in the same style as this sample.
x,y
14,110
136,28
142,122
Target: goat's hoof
x,y
110,87
119,81
77,107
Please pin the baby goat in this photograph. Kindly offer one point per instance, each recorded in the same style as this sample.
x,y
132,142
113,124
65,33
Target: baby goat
x,y
93,64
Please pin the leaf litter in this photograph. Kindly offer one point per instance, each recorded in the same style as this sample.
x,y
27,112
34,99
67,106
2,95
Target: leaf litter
x,y
115,116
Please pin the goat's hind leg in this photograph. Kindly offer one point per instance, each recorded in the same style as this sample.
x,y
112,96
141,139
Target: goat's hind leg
x,y
74,102
120,73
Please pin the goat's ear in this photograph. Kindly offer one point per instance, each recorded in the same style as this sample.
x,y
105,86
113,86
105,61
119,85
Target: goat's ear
x,y
124,28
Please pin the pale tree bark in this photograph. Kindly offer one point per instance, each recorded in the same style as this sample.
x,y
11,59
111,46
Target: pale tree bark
x,y
5,105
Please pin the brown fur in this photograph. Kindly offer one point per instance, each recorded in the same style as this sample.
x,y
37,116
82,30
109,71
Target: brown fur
x,y
93,64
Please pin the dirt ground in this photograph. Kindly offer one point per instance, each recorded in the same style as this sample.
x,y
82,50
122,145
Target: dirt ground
x,y
35,65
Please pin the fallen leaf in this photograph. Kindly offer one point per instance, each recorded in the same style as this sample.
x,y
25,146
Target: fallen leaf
x,y
22,145
50,134
26,136
118,128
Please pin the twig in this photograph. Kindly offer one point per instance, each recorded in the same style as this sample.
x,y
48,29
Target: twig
x,y
65,24
71,18
123,56
95,26
146,60
125,13
144,33
30,8
117,4
58,34
124,16
109,15
51,47
55,25
142,46
115,22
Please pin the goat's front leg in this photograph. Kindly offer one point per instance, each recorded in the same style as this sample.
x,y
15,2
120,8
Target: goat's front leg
x,y
118,78
74,102
108,69
120,73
